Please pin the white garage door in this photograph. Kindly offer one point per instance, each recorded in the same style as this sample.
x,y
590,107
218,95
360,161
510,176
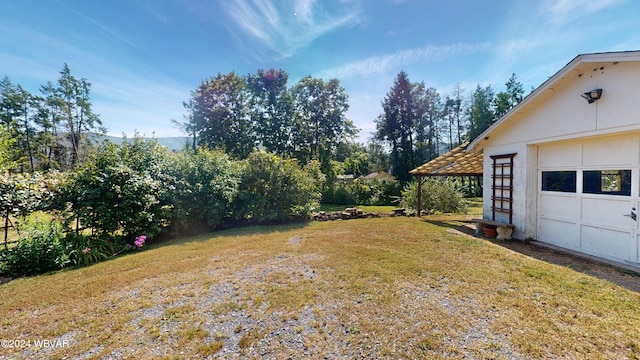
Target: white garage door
x,y
588,197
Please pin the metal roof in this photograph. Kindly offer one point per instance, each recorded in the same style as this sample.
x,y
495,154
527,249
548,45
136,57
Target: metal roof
x,y
456,162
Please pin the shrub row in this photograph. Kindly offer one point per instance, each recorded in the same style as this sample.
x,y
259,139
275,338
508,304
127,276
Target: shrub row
x,y
372,192
138,189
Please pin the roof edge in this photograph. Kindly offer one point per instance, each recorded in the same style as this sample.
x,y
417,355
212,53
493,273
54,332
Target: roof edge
x,y
631,55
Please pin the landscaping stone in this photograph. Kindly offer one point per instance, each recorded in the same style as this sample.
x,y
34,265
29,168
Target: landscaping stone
x,y
354,213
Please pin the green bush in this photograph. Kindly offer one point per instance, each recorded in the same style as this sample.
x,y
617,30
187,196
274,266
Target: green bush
x,y
40,247
205,186
275,190
363,193
121,190
22,194
439,195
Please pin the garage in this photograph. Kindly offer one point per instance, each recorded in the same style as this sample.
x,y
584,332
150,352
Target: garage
x,y
573,146
588,196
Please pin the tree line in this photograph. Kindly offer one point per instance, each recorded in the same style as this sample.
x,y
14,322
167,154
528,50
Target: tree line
x,y
239,114
307,121
48,130
417,125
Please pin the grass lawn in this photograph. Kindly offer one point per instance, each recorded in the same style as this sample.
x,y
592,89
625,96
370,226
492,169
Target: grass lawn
x,y
475,207
369,288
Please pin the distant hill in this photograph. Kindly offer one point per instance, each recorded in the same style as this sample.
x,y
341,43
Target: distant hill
x,y
175,143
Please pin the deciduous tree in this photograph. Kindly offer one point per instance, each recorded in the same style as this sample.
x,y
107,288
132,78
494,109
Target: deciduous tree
x,y
321,107
272,110
219,112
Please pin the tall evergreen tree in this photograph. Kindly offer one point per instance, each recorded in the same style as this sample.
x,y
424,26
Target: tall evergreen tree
x,y
510,97
404,108
13,104
70,106
480,112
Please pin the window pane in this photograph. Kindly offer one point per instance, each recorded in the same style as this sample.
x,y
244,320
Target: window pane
x,y
563,181
611,182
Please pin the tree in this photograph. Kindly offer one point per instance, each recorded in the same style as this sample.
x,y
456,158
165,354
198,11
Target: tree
x,y
321,107
15,104
219,114
7,150
71,100
378,157
480,112
404,107
433,118
457,102
272,110
506,100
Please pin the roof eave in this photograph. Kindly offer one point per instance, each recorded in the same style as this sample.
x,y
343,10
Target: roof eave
x,y
476,144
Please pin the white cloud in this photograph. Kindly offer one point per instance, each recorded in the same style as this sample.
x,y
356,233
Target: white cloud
x,y
563,9
111,33
288,26
151,7
376,64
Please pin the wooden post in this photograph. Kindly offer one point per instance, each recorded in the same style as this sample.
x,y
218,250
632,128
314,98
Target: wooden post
x,y
419,193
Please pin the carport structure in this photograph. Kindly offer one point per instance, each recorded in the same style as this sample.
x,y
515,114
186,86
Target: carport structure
x,y
457,162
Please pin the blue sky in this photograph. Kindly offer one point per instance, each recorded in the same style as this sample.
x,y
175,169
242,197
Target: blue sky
x,y
143,57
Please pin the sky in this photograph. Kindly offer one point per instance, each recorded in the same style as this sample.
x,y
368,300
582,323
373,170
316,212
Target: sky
x,y
144,57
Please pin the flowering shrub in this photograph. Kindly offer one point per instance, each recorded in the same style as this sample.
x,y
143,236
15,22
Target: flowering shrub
x,y
140,241
137,244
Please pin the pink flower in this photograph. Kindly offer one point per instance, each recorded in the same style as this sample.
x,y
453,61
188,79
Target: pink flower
x,y
140,240
86,250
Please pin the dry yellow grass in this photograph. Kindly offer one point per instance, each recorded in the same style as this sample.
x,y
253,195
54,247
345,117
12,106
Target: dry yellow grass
x,y
386,288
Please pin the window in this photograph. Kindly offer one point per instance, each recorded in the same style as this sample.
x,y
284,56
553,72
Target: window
x,y
562,181
611,182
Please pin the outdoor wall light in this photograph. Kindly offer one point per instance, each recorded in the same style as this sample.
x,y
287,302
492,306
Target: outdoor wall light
x,y
592,95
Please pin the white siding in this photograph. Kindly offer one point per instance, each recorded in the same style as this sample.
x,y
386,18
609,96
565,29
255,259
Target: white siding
x,y
562,114
559,130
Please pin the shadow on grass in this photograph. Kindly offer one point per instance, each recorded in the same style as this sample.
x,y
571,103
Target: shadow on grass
x,y
238,228
609,272
197,234
458,224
